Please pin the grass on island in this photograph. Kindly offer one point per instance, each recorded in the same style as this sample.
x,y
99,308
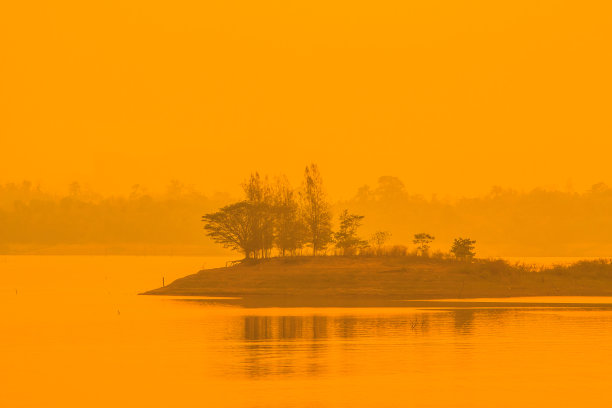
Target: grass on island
x,y
394,277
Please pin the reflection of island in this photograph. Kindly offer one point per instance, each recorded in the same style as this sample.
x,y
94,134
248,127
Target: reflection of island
x,y
459,321
282,345
302,345
285,327
257,328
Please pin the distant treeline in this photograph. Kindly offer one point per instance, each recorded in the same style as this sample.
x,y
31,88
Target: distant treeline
x,y
505,222
29,216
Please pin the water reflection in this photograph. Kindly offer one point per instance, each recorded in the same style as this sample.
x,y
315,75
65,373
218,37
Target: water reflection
x,y
318,344
257,327
463,320
287,328
275,346
290,328
301,344
283,328
318,327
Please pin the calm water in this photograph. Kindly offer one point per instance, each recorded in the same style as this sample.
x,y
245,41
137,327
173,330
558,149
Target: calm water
x,y
74,334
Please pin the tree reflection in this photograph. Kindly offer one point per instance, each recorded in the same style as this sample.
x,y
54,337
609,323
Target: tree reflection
x,y
302,345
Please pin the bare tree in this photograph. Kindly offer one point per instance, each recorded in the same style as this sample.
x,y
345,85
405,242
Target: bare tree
x,y
290,231
316,210
259,196
378,239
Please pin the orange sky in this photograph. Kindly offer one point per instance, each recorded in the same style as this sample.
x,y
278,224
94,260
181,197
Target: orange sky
x,y
453,97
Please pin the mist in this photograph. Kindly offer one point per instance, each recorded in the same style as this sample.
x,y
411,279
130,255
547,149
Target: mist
x,y
504,222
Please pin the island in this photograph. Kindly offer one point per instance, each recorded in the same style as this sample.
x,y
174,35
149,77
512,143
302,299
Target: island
x,y
371,280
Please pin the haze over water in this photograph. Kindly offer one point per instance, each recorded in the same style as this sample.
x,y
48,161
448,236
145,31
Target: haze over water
x,y
76,334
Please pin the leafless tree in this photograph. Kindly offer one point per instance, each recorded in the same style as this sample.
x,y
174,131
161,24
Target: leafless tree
x,y
316,210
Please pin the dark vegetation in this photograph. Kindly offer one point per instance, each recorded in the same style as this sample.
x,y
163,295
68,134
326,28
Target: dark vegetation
x,y
274,216
273,219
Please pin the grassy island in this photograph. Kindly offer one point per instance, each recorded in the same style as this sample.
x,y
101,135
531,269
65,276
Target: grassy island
x,y
392,278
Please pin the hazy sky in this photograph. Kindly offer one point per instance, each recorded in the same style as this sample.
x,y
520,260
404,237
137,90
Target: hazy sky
x,y
451,96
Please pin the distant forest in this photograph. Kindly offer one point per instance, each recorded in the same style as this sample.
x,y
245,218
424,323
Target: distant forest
x,y
504,222
35,221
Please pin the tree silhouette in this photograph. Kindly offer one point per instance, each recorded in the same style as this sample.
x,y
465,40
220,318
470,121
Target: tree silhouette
x,y
378,239
290,231
232,227
259,195
463,248
346,238
422,241
315,209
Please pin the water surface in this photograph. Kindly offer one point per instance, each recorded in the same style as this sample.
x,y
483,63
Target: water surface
x,y
74,333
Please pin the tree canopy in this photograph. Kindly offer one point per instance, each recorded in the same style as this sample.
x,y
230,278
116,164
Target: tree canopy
x,y
422,241
274,215
232,227
463,248
273,218
346,237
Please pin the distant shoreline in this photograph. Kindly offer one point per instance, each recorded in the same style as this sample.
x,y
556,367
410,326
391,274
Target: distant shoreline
x,y
116,249
392,279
